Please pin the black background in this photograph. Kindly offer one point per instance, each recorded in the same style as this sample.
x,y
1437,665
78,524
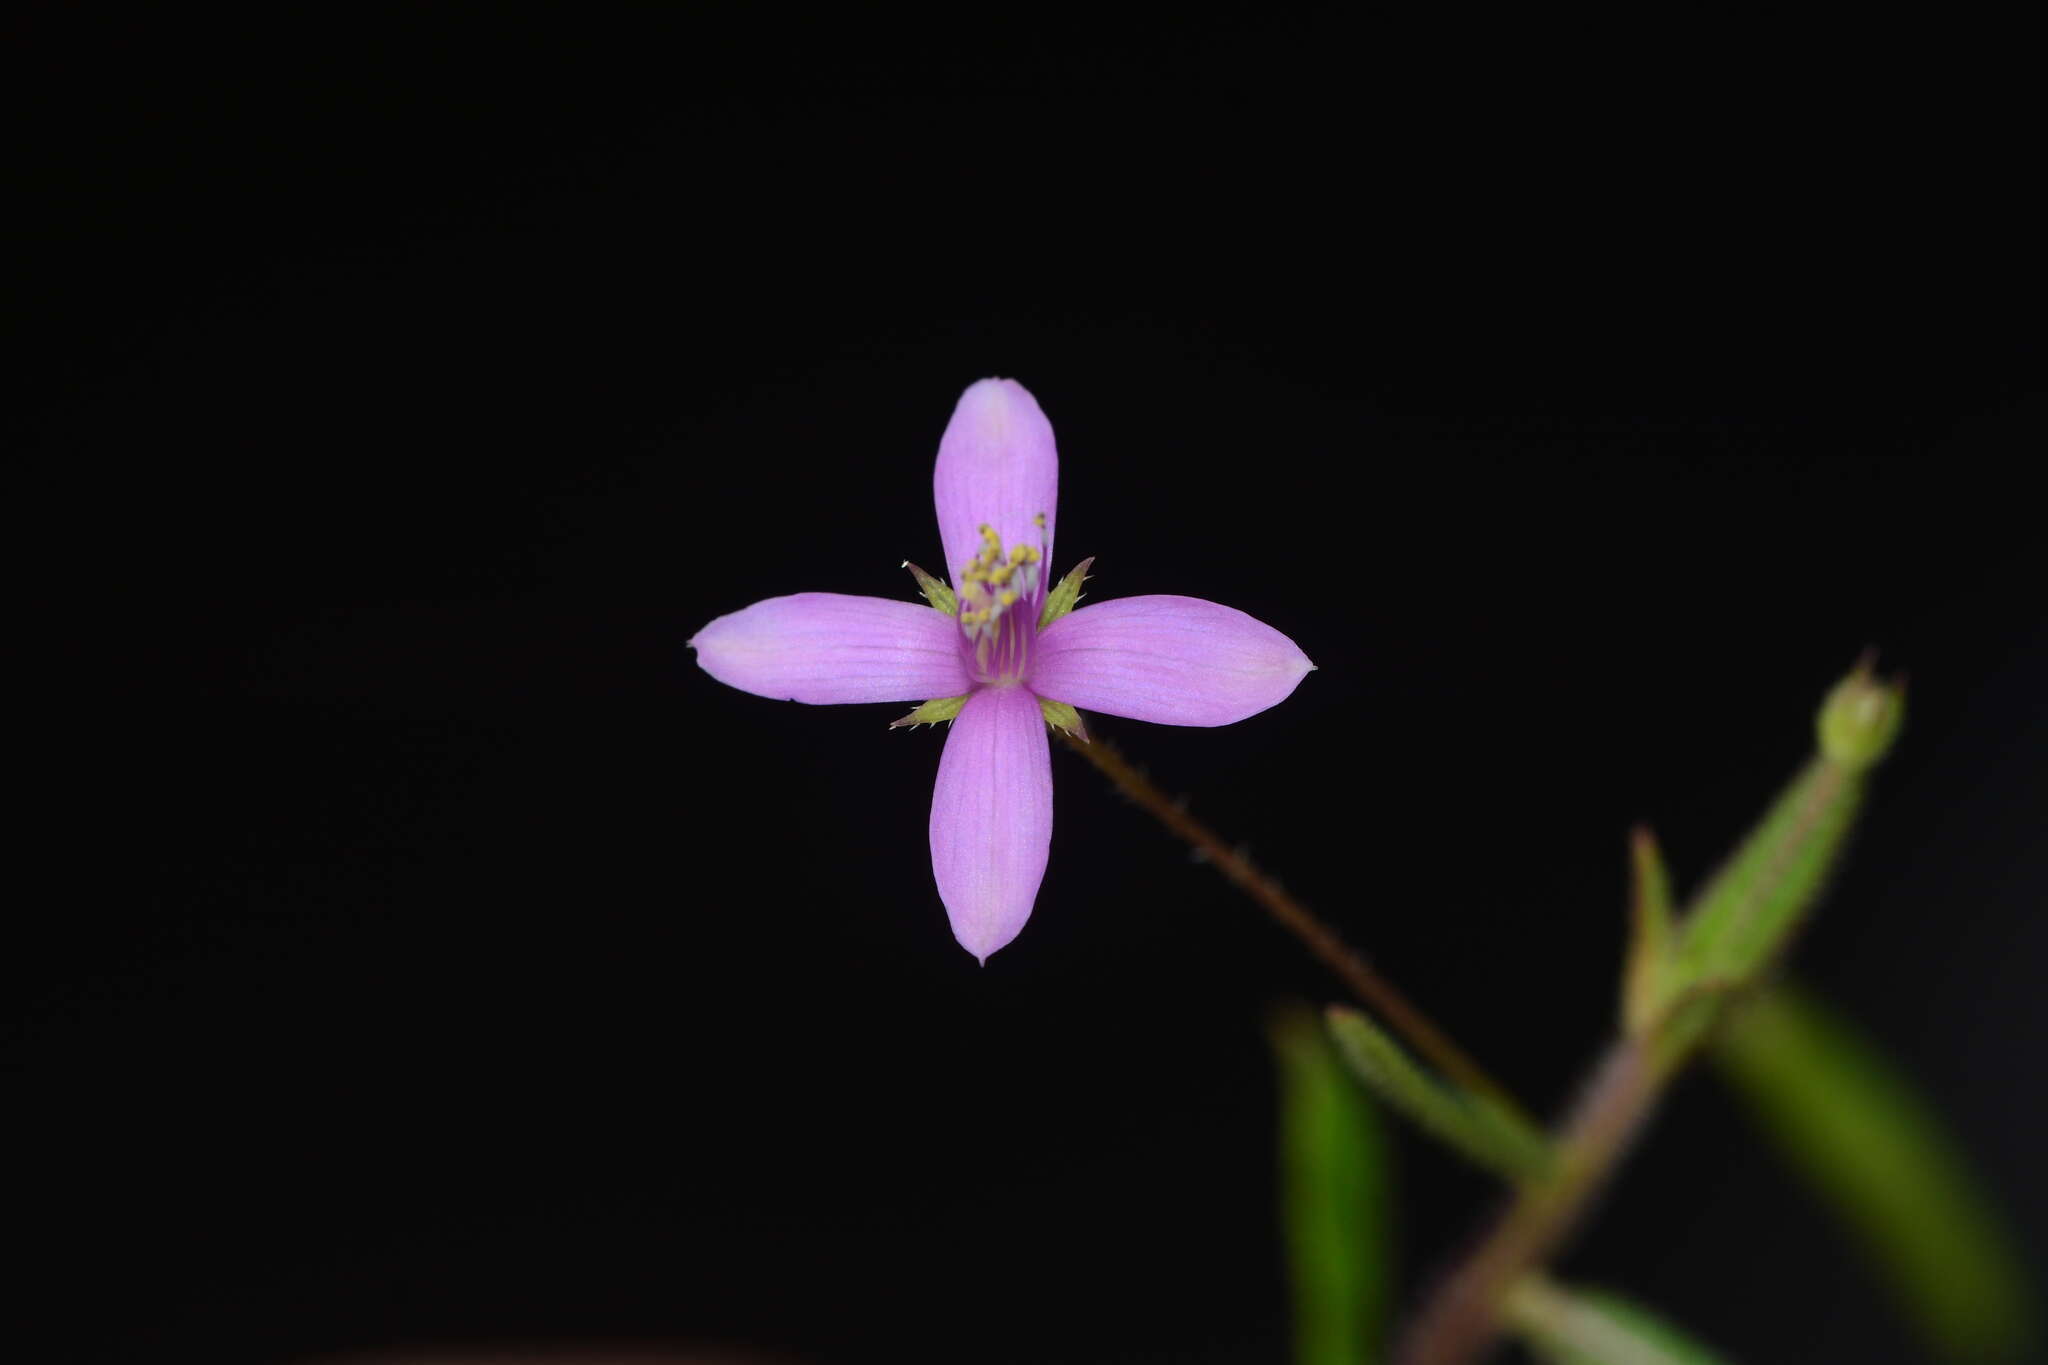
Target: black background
x,y
437,956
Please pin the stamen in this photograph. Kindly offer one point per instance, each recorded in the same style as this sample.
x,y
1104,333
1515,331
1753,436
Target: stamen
x,y
1000,597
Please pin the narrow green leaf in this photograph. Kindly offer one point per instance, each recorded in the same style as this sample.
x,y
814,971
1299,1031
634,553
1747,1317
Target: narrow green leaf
x,y
1592,1327
1848,1122
1752,906
1649,942
1334,1200
1480,1127
1061,599
937,593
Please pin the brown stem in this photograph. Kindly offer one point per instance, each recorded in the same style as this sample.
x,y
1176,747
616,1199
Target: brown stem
x,y
1462,1317
1368,985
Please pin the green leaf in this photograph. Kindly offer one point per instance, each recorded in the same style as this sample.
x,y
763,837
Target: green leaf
x,y
937,593
1477,1125
1592,1327
1334,1199
1061,599
1745,914
1853,1126
1649,942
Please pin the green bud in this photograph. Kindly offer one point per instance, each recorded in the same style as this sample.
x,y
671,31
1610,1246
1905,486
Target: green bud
x,y
1061,599
1061,716
932,712
937,593
1860,718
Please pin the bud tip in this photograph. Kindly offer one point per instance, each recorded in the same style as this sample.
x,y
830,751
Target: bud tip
x,y
1861,717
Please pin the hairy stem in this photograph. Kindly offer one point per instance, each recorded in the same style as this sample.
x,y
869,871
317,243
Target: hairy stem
x,y
1462,1317
1379,994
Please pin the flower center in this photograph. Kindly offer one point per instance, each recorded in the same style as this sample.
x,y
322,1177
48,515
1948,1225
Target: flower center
x,y
1000,598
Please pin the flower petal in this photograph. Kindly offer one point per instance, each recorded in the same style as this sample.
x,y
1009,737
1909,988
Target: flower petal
x,y
820,647
992,817
1173,660
997,467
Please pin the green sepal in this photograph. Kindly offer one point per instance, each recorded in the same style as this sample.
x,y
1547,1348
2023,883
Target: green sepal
x,y
1061,716
1479,1126
1592,1327
1336,1201
937,593
1750,907
1649,939
1844,1117
1062,598
932,712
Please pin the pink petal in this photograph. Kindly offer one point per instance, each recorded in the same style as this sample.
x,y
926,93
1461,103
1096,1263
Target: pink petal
x,y
997,467
823,647
1173,660
992,817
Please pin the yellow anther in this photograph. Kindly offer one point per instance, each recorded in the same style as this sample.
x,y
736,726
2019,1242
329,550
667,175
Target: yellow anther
x,y
992,583
1039,521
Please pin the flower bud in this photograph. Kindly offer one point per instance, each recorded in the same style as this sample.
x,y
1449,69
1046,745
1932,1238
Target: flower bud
x,y
1860,718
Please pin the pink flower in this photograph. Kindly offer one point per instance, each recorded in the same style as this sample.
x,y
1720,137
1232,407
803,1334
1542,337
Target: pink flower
x,y
1001,657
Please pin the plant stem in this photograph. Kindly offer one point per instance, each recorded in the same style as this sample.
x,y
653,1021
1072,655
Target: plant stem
x,y
1368,985
1462,1317
1674,1001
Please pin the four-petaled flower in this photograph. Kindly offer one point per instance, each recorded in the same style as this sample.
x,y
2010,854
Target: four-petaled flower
x,y
1002,657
